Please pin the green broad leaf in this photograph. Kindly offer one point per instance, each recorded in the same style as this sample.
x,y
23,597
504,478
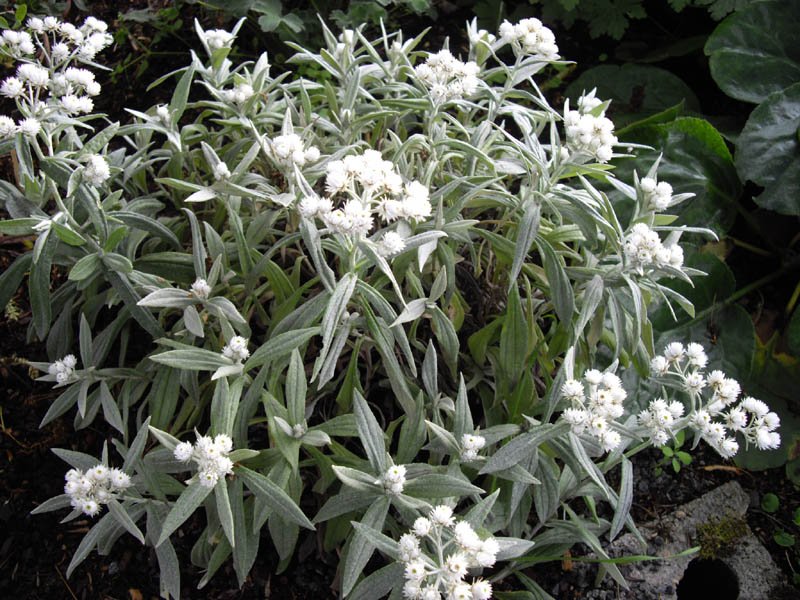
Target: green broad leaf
x,y
522,446
117,262
274,497
768,151
191,359
360,549
636,91
784,539
224,511
67,235
694,159
437,485
754,53
189,500
370,433
770,502
122,517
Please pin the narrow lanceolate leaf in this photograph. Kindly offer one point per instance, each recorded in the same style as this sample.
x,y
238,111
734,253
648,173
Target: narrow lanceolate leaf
x,y
378,584
514,339
522,446
382,542
280,346
337,306
435,485
624,501
191,498
224,511
370,433
274,497
360,549
526,232
122,517
192,359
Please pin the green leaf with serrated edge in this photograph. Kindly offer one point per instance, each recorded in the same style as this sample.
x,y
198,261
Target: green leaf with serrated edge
x,y
189,500
122,517
359,549
277,499
370,433
753,52
624,500
522,446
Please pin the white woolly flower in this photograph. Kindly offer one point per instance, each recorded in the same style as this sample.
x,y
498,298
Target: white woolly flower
x,y
422,527
447,78
218,38
63,369
239,94
12,87
210,455
76,105
221,171
201,288
442,515
394,479
391,243
530,37
89,490
7,126
587,133
183,451
30,126
97,170
236,349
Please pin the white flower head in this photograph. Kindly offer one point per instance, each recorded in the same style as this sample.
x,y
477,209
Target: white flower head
x,y
201,289
236,349
96,172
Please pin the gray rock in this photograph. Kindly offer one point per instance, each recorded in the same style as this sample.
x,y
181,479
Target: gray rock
x,y
759,577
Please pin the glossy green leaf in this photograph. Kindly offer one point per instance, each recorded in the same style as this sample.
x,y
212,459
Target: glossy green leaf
x,y
768,151
754,52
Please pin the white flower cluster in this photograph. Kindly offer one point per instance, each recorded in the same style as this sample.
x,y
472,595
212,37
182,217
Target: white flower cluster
x,y
393,480
289,150
596,410
238,94
588,130
644,250
657,194
714,418
211,456
97,486
471,444
448,78
218,38
47,86
373,188
530,37
236,349
202,290
432,573
63,369
96,171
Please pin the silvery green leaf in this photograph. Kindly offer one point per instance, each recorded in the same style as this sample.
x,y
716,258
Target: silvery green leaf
x,y
96,535
477,515
337,306
223,307
527,229
325,370
445,437
424,252
379,583
560,288
189,500
316,438
370,433
518,474
274,497
193,322
284,426
512,547
624,500
439,285
522,446
78,460
227,371
169,571
358,480
589,468
167,440
167,298
110,409
462,418
191,358
592,296
122,517
412,311
341,426
56,503
202,195
242,454
224,512
359,549
382,542
279,346
430,376
438,485
344,502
